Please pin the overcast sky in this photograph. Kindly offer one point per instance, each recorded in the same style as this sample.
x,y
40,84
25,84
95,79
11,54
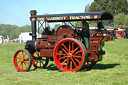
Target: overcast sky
x,y
16,12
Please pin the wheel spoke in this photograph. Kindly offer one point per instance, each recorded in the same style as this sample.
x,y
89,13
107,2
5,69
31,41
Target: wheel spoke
x,y
78,52
76,49
18,58
36,63
77,56
42,63
64,61
73,62
19,66
64,50
65,47
25,65
43,59
69,47
24,55
22,66
72,46
62,57
67,63
26,59
76,59
26,62
37,53
70,64
61,54
18,62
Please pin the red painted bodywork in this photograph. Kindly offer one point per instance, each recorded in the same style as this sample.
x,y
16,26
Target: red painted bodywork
x,y
48,42
94,42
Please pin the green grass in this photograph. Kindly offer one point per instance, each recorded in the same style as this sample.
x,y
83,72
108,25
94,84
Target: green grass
x,y
112,70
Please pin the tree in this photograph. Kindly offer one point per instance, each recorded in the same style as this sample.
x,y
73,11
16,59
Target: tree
x,y
95,7
13,31
14,34
119,9
6,29
120,19
113,6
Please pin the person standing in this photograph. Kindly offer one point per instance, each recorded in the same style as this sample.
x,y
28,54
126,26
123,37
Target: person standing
x,y
85,33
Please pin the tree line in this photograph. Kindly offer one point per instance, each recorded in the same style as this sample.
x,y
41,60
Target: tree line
x,y
13,31
119,9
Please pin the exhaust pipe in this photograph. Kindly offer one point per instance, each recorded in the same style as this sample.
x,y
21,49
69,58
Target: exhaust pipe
x,y
33,25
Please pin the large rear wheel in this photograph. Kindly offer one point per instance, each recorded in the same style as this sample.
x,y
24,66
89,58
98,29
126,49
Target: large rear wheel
x,y
70,55
22,60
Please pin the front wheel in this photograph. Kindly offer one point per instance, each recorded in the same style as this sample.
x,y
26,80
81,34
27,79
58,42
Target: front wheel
x,y
22,60
70,55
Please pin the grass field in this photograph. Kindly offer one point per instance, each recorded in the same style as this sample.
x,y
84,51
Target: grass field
x,y
112,70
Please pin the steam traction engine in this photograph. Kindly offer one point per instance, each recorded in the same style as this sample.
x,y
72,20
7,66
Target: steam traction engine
x,y
66,46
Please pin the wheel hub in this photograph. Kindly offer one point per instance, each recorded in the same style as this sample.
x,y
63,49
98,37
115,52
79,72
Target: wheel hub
x,y
69,55
22,60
